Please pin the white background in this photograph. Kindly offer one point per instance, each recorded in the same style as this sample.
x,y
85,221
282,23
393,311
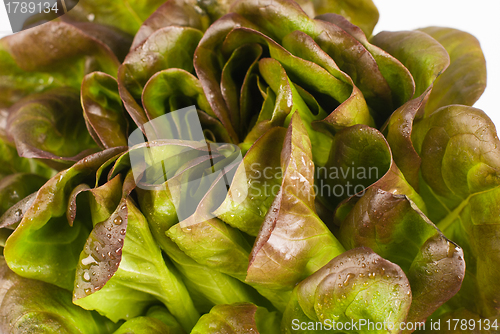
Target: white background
x,y
478,17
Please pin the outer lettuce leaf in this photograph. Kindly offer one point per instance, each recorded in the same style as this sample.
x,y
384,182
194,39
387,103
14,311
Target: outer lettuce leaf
x,y
424,57
103,110
398,77
460,182
465,80
12,163
362,13
183,13
51,126
121,269
398,231
293,241
15,187
28,67
236,319
32,306
54,259
358,284
124,15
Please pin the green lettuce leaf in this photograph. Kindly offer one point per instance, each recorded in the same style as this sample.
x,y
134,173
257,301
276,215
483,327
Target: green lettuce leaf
x,y
44,246
38,59
393,227
121,270
124,15
362,13
51,126
424,57
238,318
32,306
459,182
465,79
356,286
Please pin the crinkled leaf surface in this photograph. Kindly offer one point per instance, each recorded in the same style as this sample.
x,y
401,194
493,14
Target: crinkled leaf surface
x,y
460,178
398,231
425,57
51,126
28,67
362,13
465,79
358,284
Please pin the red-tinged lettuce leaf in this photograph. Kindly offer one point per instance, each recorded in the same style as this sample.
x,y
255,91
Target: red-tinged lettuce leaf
x,y
277,78
97,204
103,110
170,47
52,55
354,109
393,227
11,162
183,13
330,90
398,130
117,40
424,57
32,306
465,79
293,241
460,178
397,76
124,15
355,286
54,260
256,179
121,270
15,187
209,62
238,319
362,13
51,126
277,19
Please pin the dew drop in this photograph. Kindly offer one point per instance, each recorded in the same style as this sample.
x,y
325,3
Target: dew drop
x,y
91,17
18,213
122,231
108,235
88,291
86,277
118,221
